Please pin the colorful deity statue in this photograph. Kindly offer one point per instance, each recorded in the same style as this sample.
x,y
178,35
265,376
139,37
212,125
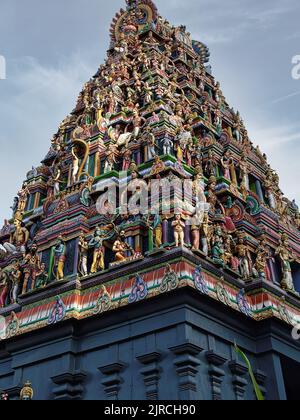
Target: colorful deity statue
x,y
60,251
199,188
83,256
212,198
217,247
260,268
150,143
4,285
22,196
16,276
211,165
179,229
158,166
244,257
26,393
42,277
168,146
127,159
270,190
19,237
98,257
31,268
286,258
121,248
244,172
228,166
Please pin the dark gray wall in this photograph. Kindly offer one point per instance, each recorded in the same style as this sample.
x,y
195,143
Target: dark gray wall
x,y
177,346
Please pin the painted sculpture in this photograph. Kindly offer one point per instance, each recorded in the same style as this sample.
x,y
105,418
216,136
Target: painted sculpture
x,y
153,112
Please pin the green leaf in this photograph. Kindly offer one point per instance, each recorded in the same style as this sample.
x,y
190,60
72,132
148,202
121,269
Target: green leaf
x,y
257,390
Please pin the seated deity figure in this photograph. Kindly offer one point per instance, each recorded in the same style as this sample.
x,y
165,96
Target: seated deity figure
x,y
19,238
120,248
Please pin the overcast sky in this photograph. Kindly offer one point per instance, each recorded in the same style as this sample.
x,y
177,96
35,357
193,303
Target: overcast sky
x,y
53,47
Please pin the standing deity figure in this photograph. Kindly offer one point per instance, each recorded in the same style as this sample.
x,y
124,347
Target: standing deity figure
x,y
211,165
270,189
22,199
227,164
167,146
199,188
260,269
4,276
127,159
60,250
42,277
16,276
244,257
148,90
31,267
217,248
158,231
151,144
98,257
212,198
137,122
178,226
75,170
218,92
55,180
83,256
111,160
120,248
244,172
237,128
286,258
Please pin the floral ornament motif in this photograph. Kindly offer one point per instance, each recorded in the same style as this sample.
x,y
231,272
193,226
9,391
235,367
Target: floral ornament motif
x,y
139,291
170,280
199,280
243,303
13,326
57,313
104,301
222,294
253,205
284,313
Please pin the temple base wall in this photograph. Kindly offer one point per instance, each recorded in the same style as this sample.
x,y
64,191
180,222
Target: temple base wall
x,y
179,346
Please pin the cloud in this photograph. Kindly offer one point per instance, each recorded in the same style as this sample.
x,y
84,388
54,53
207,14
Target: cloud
x,y
285,98
38,98
282,146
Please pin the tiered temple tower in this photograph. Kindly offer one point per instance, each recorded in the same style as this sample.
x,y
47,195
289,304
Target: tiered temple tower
x,y
153,236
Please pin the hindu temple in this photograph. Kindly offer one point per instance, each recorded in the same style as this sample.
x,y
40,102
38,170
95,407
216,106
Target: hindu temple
x,y
153,237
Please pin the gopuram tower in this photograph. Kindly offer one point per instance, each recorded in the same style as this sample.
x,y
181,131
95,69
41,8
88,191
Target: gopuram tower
x,y
152,238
